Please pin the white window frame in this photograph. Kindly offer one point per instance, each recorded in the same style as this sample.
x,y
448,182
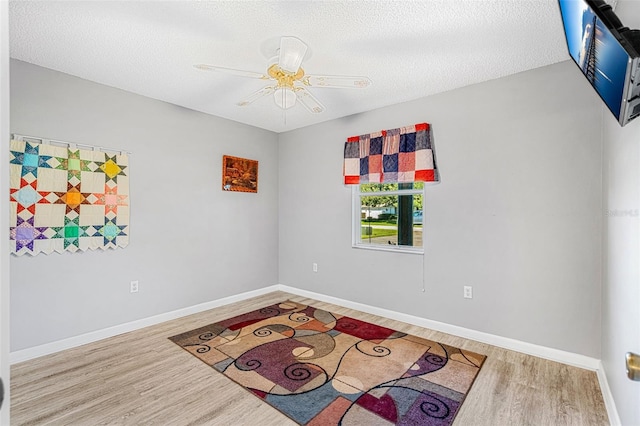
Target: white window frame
x,y
356,227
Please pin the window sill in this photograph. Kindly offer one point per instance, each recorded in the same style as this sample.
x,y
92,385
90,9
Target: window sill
x,y
395,249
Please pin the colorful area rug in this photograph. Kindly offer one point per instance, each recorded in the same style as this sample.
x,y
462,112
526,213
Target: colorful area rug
x,y
320,368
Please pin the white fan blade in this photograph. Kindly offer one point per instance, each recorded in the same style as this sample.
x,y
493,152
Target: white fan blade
x,y
231,71
337,81
308,100
256,95
292,52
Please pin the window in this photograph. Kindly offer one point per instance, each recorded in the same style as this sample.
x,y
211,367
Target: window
x,y
388,216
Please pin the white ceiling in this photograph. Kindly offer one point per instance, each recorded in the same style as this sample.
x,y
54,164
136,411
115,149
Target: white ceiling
x,y
409,49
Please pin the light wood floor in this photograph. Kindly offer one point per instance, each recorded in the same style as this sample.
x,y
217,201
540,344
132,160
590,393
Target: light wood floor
x,y
141,377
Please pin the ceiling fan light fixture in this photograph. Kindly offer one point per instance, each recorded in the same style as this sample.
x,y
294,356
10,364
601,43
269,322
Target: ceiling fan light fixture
x,y
284,97
288,81
292,51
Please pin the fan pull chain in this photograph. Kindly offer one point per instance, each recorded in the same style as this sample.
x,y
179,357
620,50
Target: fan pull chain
x,y
423,283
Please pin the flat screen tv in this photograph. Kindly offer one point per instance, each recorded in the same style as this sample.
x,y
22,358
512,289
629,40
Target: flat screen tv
x,y
606,53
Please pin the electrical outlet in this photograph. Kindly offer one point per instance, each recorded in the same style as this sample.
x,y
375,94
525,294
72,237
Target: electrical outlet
x,y
134,286
315,267
468,292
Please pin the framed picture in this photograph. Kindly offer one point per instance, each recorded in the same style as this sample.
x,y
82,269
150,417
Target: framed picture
x,y
239,174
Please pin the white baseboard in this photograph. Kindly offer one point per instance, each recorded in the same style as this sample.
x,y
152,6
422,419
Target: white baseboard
x,y
609,403
94,336
557,355
503,342
479,336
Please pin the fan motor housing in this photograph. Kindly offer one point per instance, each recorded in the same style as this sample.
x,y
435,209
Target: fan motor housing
x,y
284,78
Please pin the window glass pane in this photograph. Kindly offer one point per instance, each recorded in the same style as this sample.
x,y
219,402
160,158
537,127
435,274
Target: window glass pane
x,y
391,220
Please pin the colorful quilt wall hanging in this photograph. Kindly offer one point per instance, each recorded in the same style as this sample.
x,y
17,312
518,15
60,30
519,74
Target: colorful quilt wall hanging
x,y
403,155
66,199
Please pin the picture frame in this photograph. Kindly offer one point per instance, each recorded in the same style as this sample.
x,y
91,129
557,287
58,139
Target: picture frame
x,y
239,174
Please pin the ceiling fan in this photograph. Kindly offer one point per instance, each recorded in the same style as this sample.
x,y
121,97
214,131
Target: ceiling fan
x,y
288,81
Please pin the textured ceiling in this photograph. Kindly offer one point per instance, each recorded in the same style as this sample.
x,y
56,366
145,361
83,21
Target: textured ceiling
x,y
408,49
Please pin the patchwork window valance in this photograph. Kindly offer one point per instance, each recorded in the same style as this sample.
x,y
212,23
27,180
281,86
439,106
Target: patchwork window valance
x,y
66,199
401,155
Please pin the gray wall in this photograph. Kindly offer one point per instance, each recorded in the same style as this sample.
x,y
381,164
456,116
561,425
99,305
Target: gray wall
x,y
518,214
190,241
621,278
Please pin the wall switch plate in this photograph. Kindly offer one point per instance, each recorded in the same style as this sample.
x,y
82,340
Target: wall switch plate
x,y
468,292
134,286
315,267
